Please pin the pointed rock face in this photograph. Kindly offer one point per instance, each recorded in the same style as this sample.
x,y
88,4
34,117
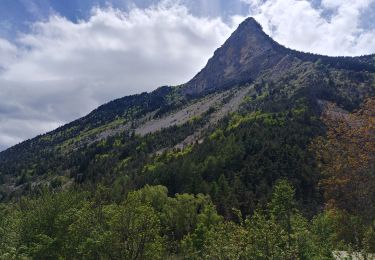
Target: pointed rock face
x,y
243,56
250,53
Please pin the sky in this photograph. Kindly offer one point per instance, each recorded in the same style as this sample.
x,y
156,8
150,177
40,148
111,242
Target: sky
x,y
60,59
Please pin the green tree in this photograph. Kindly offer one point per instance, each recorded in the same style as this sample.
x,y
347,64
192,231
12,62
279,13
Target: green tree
x,y
193,244
282,206
134,232
9,232
321,237
225,241
45,221
266,239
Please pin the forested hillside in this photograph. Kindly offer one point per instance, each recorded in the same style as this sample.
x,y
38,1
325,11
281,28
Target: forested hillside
x,y
268,153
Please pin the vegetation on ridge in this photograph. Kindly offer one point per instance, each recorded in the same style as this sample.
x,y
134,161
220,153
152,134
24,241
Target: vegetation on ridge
x,y
288,175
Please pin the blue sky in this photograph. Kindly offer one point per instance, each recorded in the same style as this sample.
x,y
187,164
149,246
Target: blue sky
x,y
59,59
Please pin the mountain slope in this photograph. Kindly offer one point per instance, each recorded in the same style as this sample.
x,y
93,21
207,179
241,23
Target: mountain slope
x,y
246,120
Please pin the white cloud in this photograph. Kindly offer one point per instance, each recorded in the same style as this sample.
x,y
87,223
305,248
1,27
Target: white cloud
x,y
301,25
345,4
8,53
62,70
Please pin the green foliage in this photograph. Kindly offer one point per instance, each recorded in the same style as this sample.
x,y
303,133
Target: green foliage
x,y
9,232
44,223
321,241
149,224
133,231
282,205
265,235
223,241
267,240
369,239
247,189
241,160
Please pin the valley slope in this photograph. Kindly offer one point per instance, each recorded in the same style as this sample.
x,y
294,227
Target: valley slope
x,y
243,122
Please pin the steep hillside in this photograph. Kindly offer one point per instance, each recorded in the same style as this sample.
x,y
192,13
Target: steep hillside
x,y
254,96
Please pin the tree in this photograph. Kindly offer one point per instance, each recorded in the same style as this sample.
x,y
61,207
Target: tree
x,y
226,241
44,223
266,239
321,240
282,206
347,159
194,245
9,232
134,232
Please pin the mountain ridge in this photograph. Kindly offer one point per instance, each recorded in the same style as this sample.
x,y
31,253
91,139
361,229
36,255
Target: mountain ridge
x,y
276,79
248,23
256,52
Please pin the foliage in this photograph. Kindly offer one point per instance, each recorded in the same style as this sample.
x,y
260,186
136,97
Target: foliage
x,y
250,187
347,158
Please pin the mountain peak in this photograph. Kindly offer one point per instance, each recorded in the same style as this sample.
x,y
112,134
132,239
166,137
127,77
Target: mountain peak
x,y
246,53
249,23
250,30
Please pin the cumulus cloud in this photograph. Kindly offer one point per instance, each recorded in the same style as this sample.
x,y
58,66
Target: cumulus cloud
x,y
331,27
61,70
8,53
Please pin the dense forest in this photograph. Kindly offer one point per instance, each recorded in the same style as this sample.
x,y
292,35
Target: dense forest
x,y
148,224
262,185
